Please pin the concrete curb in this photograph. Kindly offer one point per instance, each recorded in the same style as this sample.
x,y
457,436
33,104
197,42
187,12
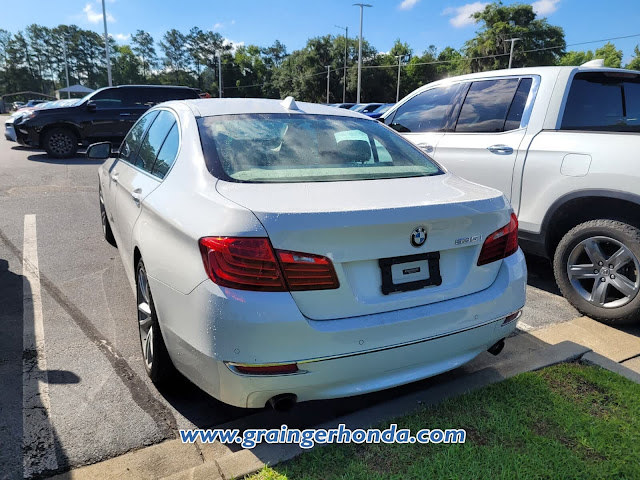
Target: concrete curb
x,y
593,358
147,463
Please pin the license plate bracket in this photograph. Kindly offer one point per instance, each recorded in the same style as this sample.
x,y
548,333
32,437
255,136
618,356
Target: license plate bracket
x,y
434,278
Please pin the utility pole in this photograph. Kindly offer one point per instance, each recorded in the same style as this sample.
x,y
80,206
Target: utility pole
x,y
344,77
399,57
66,65
219,75
328,71
106,43
513,41
361,5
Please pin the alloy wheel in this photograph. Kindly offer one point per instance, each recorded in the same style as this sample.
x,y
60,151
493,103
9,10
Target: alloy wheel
x,y
145,318
604,272
60,143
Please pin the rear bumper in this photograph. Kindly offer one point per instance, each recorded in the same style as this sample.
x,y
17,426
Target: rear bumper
x,y
342,357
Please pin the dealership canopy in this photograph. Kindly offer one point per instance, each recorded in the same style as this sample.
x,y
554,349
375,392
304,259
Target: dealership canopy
x,y
76,89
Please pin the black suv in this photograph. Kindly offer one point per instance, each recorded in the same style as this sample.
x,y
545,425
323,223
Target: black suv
x,y
106,114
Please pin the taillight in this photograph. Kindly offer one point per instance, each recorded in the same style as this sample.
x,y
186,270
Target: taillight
x,y
501,243
248,263
242,263
304,271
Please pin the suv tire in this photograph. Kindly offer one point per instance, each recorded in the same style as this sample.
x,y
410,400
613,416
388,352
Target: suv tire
x,y
60,143
597,268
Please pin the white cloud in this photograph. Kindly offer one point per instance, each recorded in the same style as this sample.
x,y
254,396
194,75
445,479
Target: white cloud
x,y
121,37
233,43
218,26
94,16
545,7
408,4
461,16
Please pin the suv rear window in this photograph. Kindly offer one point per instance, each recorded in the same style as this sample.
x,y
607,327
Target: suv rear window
x,y
262,148
486,106
603,102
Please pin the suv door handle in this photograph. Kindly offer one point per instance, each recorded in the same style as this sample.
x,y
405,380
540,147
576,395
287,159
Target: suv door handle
x,y
114,177
426,147
500,149
124,114
137,196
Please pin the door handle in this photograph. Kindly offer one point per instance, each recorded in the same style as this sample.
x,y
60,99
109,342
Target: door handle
x,y
125,114
114,177
137,196
500,149
426,147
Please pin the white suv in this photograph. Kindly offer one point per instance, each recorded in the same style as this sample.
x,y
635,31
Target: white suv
x,y
563,144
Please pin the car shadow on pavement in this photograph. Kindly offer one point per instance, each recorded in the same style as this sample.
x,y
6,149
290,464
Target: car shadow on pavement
x,y
79,160
30,446
541,274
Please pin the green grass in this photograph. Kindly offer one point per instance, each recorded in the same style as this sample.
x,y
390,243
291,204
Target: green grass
x,y
564,422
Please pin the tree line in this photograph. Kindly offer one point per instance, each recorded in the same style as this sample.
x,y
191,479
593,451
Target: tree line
x,y
34,59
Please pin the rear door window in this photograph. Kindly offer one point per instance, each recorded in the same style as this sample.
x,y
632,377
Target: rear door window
x,y
426,112
153,140
168,151
109,98
602,102
486,106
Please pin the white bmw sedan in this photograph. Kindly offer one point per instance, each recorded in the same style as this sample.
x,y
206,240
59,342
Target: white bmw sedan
x,y
284,252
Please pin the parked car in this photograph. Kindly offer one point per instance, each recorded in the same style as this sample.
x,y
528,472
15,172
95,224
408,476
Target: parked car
x,y
378,112
407,270
343,105
16,105
106,114
561,144
365,107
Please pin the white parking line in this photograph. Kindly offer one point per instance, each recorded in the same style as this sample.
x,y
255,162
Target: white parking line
x,y
38,440
525,327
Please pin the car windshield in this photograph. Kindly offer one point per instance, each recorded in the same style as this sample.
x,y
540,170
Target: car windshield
x,y
262,148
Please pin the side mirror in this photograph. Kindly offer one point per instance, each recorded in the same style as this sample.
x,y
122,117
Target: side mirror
x,y
99,151
91,106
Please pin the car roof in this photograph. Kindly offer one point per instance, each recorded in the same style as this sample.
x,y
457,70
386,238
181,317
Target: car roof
x,y
207,107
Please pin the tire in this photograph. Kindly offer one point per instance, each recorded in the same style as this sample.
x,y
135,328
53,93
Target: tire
x,y
157,362
60,143
582,265
106,226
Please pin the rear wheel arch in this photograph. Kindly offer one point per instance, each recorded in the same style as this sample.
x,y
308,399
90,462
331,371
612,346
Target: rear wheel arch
x,y
579,207
68,126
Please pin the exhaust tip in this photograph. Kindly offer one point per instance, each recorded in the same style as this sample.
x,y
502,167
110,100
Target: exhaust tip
x,y
496,348
283,402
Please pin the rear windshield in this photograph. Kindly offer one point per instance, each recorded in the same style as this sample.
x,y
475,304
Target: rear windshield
x,y
263,148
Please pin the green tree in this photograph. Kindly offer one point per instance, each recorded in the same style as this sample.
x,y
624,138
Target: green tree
x,y
540,44
610,54
176,55
126,66
634,64
143,47
575,58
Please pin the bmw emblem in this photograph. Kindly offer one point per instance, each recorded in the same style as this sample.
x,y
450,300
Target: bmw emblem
x,y
418,236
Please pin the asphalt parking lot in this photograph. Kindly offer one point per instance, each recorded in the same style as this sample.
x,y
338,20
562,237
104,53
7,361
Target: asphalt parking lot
x,y
70,342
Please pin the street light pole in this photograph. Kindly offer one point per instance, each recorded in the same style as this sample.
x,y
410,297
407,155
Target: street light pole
x,y
513,41
361,5
219,75
344,77
328,71
106,43
66,65
398,87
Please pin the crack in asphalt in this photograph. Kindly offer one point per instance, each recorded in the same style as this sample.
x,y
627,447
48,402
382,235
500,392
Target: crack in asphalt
x,y
140,393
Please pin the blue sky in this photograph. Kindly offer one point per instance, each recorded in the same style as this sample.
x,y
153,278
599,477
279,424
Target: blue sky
x,y
418,22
